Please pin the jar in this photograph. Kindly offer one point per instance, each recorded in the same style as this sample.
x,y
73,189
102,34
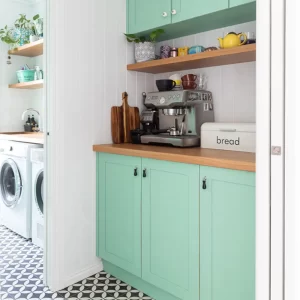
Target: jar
x,y
165,51
174,52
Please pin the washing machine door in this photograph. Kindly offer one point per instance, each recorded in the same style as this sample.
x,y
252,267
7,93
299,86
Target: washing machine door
x,y
11,183
39,192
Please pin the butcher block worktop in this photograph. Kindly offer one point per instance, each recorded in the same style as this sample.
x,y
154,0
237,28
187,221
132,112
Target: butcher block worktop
x,y
25,137
206,157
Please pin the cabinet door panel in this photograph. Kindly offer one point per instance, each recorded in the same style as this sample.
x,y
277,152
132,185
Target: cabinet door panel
x,y
227,235
188,9
233,3
170,235
119,211
145,15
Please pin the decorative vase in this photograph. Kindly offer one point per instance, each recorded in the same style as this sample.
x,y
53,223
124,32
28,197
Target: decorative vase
x,y
34,38
144,51
22,35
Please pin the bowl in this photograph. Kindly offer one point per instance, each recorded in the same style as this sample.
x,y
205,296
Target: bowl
x,y
189,77
189,85
165,85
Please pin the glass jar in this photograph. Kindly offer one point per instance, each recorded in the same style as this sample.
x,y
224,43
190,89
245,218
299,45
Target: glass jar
x,y
174,52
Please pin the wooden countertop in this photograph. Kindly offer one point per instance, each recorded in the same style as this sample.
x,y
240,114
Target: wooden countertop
x,y
206,157
25,137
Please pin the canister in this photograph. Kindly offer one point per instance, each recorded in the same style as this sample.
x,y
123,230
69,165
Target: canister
x,y
174,52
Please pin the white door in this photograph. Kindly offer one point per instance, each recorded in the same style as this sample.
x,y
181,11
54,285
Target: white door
x,y
292,159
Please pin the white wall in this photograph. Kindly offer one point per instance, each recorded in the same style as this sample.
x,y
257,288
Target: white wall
x,y
87,77
233,86
13,102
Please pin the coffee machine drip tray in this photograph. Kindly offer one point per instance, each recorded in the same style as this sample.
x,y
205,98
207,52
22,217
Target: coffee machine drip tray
x,y
183,141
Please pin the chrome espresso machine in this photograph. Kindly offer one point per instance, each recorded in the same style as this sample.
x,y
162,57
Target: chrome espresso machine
x,y
174,118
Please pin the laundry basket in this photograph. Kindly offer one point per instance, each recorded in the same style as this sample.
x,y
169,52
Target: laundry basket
x,y
25,75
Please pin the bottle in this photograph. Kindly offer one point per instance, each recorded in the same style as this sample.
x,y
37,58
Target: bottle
x,y
28,122
32,121
38,74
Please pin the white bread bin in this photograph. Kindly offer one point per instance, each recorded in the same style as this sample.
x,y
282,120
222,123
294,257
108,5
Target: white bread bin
x,y
229,136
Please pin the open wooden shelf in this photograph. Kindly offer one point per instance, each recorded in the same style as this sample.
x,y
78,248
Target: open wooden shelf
x,y
220,57
31,85
29,50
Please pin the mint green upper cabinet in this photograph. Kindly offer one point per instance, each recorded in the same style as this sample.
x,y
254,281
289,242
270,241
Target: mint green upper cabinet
x,y
233,3
145,15
119,211
170,222
227,235
188,9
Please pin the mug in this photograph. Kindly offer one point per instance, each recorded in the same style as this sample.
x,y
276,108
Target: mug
x,y
165,51
189,77
176,78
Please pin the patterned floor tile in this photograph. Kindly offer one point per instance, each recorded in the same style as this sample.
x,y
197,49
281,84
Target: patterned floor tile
x,y
21,276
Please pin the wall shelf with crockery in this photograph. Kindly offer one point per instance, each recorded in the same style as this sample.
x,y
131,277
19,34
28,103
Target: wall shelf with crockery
x,y
220,57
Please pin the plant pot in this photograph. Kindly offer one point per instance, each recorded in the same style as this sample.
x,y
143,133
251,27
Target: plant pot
x,y
144,51
34,38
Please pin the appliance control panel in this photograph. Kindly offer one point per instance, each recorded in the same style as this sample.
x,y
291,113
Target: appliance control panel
x,y
176,98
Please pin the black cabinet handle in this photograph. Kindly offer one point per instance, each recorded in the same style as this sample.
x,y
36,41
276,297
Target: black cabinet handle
x,y
135,172
204,184
144,173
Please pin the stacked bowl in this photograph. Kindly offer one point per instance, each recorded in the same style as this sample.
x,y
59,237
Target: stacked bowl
x,y
189,82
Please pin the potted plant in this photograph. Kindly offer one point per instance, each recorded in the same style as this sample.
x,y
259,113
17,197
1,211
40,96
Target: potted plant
x,y
23,31
144,46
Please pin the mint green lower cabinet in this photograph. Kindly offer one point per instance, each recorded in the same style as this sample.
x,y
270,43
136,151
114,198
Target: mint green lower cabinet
x,y
227,235
170,222
119,211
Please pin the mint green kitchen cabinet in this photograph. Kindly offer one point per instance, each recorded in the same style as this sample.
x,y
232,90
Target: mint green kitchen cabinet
x,y
119,211
233,3
227,234
170,222
187,9
144,14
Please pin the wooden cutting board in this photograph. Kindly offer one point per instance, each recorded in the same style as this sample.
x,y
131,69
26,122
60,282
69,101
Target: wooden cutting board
x,y
123,119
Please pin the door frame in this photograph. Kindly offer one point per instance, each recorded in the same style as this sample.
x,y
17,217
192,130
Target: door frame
x,y
263,160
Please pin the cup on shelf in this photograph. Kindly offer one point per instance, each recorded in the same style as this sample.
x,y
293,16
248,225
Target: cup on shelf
x,y
189,85
189,77
251,37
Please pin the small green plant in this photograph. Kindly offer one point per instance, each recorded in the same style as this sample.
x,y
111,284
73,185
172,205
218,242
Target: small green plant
x,y
7,34
132,38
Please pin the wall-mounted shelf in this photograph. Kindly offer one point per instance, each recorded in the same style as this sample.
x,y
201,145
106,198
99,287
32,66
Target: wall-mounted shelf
x,y
29,50
31,85
220,57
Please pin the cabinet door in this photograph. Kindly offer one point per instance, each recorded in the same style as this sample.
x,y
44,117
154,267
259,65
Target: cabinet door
x,y
188,9
233,3
227,235
170,227
146,15
119,211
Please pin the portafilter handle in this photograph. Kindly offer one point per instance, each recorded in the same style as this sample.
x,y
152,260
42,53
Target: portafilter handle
x,y
144,97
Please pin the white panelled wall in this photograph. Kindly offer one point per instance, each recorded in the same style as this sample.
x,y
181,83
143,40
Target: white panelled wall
x,y
86,77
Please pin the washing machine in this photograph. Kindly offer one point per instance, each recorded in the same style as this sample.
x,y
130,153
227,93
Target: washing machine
x,y
16,187
37,161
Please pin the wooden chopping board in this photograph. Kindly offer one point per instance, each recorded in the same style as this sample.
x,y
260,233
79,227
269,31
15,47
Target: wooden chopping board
x,y
123,119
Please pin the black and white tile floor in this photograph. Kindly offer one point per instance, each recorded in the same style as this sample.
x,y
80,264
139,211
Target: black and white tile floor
x,y
21,276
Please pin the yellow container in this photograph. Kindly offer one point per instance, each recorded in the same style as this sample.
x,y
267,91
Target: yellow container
x,y
183,51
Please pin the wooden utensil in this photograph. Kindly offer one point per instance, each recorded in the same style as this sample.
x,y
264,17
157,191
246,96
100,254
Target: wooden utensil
x,y
123,119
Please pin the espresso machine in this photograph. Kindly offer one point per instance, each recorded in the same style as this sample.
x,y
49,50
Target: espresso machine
x,y
175,117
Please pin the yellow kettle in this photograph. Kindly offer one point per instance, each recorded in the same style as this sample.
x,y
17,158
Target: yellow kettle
x,y
232,40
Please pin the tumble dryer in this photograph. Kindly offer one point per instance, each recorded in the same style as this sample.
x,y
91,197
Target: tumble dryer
x,y
37,160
